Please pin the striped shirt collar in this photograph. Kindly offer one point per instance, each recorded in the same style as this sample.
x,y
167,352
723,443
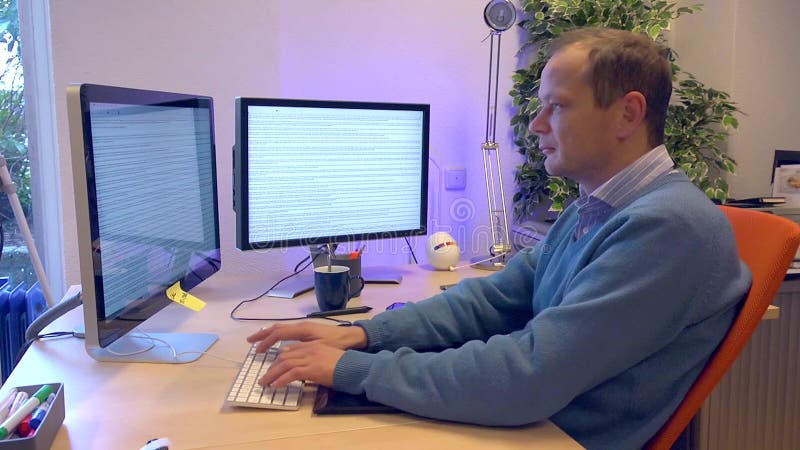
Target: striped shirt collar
x,y
626,185
630,181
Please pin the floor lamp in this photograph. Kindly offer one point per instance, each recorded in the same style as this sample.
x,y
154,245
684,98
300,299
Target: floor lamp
x,y
499,16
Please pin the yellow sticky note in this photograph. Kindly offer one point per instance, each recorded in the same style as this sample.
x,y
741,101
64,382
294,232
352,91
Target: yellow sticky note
x,y
178,295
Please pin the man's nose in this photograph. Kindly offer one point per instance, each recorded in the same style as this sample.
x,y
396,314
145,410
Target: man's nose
x,y
538,125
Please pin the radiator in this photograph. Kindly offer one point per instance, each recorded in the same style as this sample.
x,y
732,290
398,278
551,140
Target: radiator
x,y
756,406
18,307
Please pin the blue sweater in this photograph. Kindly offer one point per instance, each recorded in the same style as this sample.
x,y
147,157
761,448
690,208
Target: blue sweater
x,y
603,335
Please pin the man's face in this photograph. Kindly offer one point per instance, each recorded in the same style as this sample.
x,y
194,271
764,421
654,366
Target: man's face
x,y
575,135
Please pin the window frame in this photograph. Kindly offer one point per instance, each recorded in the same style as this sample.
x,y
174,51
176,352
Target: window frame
x,y
40,117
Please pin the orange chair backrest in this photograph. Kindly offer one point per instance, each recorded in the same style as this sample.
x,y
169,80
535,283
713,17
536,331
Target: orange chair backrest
x,y
767,244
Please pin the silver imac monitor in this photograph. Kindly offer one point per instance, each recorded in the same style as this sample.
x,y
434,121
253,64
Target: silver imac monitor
x,y
146,211
310,172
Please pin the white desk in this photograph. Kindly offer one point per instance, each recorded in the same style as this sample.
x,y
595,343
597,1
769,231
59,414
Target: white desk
x,y
121,406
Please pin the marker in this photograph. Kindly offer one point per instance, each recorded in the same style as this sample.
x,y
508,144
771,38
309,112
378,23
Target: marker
x,y
38,415
24,427
16,417
5,404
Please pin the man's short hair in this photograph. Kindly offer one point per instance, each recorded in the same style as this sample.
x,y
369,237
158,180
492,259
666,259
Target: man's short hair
x,y
620,62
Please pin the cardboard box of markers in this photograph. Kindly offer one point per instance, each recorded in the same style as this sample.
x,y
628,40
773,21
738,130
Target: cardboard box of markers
x,y
32,419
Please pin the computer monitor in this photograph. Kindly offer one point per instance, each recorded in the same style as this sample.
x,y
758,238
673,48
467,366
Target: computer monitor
x,y
146,211
310,172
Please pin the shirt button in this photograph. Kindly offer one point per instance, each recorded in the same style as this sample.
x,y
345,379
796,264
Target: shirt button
x,y
585,230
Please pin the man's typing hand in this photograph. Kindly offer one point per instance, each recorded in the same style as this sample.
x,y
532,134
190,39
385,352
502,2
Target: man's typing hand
x,y
312,361
343,338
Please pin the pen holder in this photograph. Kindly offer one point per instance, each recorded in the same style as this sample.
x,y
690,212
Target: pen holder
x,y
46,433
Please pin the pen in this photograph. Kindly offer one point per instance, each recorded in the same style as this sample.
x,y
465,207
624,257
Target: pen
x,y
356,253
16,417
338,312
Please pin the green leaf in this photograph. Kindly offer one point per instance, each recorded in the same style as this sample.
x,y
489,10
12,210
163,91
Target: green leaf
x,y
730,166
730,122
654,31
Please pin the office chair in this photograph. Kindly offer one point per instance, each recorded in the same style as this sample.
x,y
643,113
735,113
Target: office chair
x,y
767,244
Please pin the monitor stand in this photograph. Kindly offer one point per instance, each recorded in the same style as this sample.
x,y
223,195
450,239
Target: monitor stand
x,y
144,347
291,288
304,282
381,275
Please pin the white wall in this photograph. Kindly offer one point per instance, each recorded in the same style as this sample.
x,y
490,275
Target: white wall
x,y
410,51
749,49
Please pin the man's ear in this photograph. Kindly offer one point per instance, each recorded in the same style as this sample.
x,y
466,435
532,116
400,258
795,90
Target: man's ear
x,y
633,109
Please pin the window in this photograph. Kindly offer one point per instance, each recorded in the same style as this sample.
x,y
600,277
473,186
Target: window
x,y
15,263
29,140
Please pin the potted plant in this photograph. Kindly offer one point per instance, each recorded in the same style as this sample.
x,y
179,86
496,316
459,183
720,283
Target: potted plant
x,y
698,120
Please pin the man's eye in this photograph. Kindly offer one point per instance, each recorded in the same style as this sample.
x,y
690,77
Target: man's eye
x,y
555,106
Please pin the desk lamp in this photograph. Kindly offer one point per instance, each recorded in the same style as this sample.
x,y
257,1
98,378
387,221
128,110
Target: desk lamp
x,y
499,16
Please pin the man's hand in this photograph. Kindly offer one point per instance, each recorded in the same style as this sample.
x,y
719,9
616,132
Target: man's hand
x,y
312,361
342,338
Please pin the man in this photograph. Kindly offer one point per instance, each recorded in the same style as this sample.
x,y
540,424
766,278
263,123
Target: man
x,y
604,326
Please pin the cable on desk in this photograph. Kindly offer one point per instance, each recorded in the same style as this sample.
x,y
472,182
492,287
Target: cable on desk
x,y
339,322
140,351
55,334
142,335
235,361
175,354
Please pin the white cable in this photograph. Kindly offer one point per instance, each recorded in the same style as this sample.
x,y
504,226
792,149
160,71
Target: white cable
x,y
235,361
146,336
452,268
175,354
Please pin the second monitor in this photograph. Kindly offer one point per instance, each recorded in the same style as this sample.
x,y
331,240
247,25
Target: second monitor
x,y
309,172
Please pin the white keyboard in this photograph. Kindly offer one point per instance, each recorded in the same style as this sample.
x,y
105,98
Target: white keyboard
x,y
248,393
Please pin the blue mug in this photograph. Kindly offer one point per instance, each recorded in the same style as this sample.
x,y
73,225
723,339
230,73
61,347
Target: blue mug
x,y
333,288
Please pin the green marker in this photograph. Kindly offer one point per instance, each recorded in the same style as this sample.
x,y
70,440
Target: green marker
x,y
10,424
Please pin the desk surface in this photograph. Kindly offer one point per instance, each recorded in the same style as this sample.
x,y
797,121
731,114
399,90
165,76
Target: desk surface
x,y
122,405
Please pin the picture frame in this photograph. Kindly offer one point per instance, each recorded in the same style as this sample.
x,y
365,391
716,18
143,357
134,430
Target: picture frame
x,y
786,176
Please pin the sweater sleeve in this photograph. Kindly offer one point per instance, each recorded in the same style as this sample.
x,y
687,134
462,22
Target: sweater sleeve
x,y
476,308
615,313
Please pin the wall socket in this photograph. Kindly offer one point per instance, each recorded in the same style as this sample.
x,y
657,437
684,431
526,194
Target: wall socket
x,y
455,178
